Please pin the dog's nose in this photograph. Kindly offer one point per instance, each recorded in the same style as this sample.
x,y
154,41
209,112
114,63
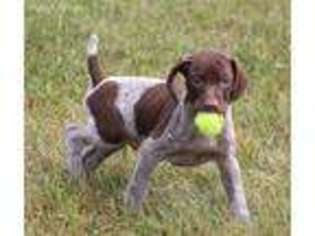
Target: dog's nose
x,y
211,108
211,105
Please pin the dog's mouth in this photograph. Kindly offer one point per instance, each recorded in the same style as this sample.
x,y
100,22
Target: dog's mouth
x,y
211,109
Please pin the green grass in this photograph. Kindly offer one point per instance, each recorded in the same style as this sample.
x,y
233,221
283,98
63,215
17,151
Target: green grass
x,y
145,38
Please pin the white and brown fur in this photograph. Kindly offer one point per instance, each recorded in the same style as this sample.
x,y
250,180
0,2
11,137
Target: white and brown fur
x,y
147,114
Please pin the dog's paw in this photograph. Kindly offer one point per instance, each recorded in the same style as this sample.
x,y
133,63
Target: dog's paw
x,y
73,166
132,201
241,214
72,126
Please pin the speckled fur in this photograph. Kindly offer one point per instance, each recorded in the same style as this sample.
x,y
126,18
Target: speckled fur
x,y
174,141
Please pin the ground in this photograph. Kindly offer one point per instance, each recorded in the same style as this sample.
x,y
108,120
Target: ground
x,y
146,38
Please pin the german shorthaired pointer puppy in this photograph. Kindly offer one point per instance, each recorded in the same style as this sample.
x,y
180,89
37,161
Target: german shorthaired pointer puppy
x,y
156,120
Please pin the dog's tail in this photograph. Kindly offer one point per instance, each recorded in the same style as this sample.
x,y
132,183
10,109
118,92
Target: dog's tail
x,y
93,63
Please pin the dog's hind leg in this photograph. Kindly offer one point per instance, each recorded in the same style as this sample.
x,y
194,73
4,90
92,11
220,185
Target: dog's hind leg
x,y
84,149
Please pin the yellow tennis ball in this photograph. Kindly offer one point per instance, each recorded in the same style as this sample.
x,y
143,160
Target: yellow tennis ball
x,y
209,124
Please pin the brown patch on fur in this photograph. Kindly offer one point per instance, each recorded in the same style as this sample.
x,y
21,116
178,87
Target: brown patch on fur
x,y
239,82
109,122
153,110
164,118
134,144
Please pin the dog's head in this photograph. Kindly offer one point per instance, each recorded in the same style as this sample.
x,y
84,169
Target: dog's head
x,y
213,80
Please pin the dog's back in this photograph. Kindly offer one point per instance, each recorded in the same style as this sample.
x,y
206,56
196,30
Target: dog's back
x,y
125,109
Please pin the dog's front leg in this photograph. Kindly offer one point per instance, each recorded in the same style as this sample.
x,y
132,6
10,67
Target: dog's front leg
x,y
232,182
147,160
231,173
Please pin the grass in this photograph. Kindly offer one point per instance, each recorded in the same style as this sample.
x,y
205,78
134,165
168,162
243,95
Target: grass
x,y
145,38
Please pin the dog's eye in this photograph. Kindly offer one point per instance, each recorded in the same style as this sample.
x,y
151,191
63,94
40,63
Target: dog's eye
x,y
225,82
197,82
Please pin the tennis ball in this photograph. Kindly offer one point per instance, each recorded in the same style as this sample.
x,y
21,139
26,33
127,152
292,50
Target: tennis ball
x,y
209,124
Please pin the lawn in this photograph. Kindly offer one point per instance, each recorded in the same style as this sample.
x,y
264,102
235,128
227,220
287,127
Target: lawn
x,y
146,38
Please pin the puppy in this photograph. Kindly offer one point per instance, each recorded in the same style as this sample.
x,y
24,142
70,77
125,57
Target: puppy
x,y
156,120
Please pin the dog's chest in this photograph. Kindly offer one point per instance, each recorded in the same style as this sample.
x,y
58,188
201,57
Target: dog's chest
x,y
196,151
185,146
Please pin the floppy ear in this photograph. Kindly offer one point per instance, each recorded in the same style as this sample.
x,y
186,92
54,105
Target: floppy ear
x,y
239,81
181,67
